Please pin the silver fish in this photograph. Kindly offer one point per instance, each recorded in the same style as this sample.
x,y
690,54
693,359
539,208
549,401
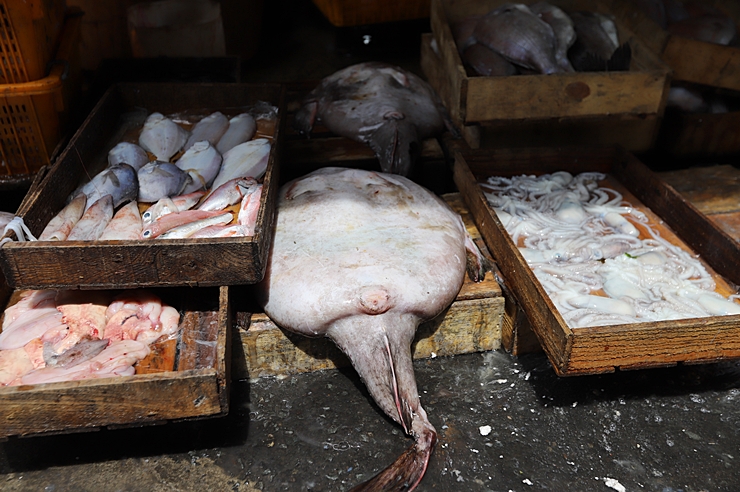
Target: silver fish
x,y
128,153
210,129
520,36
388,108
161,179
93,221
241,129
247,159
119,181
162,137
203,162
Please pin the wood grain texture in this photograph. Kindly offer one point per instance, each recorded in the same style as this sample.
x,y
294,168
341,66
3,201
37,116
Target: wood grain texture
x,y
129,264
475,99
471,324
711,189
603,349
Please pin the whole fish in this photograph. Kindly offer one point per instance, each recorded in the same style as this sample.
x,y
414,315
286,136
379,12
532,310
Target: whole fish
x,y
210,129
162,137
220,231
168,205
119,181
176,219
187,230
93,222
249,209
597,44
227,194
241,129
128,153
362,258
487,62
161,179
203,162
388,108
125,224
62,223
247,159
520,36
562,26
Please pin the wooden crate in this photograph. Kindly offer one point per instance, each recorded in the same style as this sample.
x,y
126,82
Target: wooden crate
x,y
690,60
181,379
130,264
471,324
606,105
574,351
346,13
689,135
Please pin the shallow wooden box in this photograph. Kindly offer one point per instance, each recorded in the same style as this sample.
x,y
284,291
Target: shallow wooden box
x,y
699,135
574,351
183,378
564,103
472,323
689,59
130,264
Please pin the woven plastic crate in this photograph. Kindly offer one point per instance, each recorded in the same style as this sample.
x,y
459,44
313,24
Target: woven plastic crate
x,y
32,113
29,34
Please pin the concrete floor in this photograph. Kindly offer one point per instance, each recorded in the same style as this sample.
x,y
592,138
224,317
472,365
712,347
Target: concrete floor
x,y
665,430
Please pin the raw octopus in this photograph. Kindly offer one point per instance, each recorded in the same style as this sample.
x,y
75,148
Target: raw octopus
x,y
362,258
388,108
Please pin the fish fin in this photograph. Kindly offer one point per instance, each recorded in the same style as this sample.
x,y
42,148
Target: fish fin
x,y
476,264
306,117
396,145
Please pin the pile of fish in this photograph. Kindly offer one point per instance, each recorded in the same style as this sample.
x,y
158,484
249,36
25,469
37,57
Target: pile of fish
x,y
381,105
695,20
539,39
190,179
50,336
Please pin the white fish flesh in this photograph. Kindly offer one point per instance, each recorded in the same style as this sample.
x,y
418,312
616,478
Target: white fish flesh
x,y
160,179
93,222
162,137
203,162
209,129
363,258
125,224
119,181
241,129
61,224
128,153
247,159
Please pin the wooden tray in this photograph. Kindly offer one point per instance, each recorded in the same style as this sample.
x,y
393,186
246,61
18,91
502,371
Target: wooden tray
x,y
687,135
182,378
603,349
636,96
130,264
689,59
471,324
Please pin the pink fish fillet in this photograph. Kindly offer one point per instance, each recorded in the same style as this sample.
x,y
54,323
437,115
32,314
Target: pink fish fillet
x,y
249,209
140,315
84,314
35,351
227,194
14,364
30,299
93,221
175,219
116,360
19,334
62,224
126,224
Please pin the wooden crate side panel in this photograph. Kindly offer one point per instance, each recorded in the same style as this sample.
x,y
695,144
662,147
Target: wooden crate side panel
x,y
452,77
704,134
711,189
551,330
94,403
602,349
703,63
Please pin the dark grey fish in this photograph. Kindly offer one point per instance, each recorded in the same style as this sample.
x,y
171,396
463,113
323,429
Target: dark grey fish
x,y
520,36
388,108
119,181
487,62
159,179
562,26
85,349
597,45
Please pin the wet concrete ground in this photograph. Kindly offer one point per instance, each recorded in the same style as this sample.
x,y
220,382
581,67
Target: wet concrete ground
x,y
664,430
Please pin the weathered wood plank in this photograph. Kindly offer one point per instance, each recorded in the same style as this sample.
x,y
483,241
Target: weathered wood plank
x,y
711,189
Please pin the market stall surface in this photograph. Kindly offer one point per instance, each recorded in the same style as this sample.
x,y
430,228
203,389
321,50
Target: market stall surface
x,y
504,424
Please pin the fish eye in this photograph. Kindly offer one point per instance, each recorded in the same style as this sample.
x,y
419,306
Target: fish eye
x,y
146,233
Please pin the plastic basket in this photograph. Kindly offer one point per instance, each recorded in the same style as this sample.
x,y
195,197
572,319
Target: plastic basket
x,y
32,113
29,33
